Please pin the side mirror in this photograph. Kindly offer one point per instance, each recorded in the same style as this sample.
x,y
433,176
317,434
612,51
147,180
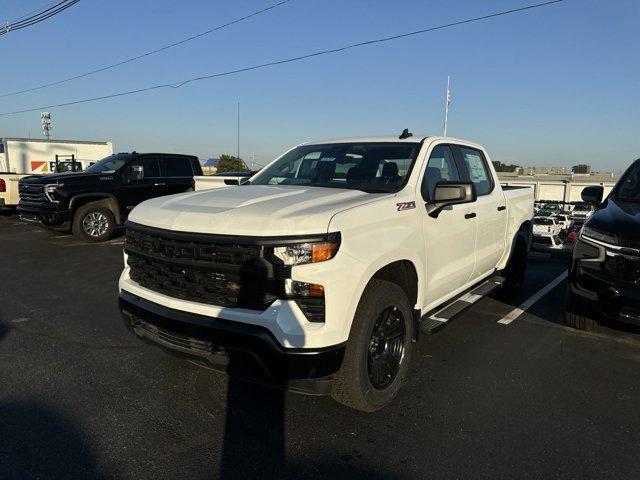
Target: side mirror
x,y
593,195
451,193
136,172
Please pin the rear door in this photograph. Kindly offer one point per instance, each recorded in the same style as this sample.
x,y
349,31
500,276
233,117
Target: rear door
x,y
490,209
177,174
450,238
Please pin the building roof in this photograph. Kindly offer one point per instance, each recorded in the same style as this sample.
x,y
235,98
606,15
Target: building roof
x,y
44,140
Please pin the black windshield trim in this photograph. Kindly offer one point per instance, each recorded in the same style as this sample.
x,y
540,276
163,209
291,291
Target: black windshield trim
x,y
418,148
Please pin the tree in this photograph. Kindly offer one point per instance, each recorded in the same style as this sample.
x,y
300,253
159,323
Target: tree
x,y
503,167
229,163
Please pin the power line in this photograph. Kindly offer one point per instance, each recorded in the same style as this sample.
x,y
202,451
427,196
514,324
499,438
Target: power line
x,y
39,17
146,54
289,60
30,12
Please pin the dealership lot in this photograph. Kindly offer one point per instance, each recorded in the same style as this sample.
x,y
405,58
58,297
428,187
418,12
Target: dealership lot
x,y
79,397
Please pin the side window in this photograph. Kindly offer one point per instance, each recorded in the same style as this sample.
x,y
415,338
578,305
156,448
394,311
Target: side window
x,y
176,167
150,165
478,171
441,167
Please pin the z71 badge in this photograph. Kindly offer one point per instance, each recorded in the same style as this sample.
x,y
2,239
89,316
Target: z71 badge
x,y
405,206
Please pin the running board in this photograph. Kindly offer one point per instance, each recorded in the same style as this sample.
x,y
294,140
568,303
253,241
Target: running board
x,y
432,322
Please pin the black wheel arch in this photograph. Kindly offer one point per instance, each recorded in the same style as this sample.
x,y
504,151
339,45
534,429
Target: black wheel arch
x,y
403,273
108,199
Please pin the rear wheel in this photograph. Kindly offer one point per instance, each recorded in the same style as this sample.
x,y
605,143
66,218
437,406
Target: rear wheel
x,y
93,222
379,349
514,271
575,313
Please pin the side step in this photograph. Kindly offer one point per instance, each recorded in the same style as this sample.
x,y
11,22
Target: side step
x,y
435,320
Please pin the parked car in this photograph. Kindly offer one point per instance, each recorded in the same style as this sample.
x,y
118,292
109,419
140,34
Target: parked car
x,y
546,225
546,242
93,202
564,221
318,274
604,278
581,212
572,235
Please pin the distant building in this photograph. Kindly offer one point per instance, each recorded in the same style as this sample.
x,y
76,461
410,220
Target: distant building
x,y
542,170
582,168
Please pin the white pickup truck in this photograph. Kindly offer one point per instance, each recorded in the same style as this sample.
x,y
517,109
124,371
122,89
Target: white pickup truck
x,y
319,274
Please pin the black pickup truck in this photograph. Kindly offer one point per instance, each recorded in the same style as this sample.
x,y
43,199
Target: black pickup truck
x,y
93,202
604,279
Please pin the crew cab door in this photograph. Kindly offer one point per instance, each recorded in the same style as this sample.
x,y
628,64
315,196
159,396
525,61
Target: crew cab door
x,y
490,209
134,191
450,238
177,174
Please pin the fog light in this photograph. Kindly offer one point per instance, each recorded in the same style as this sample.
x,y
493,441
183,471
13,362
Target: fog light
x,y
294,288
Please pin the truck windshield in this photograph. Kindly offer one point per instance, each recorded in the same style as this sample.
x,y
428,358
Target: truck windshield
x,y
629,187
109,164
370,167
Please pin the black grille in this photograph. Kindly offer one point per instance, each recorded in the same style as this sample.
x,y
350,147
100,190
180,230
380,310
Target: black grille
x,y
31,193
623,269
223,274
629,241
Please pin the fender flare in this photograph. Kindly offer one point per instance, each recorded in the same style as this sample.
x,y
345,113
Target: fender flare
x,y
113,202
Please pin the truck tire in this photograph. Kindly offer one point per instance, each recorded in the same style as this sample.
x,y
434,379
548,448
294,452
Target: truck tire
x,y
93,222
575,314
379,349
514,272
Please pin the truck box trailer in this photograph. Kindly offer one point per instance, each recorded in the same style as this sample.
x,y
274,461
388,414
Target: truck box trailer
x,y
24,156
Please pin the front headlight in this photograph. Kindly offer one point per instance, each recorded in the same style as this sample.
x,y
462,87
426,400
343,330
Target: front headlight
x,y
50,190
592,233
301,253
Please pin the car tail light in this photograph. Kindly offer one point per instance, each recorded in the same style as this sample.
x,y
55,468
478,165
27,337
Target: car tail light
x,y
3,186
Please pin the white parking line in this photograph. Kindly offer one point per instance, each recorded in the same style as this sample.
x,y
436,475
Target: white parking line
x,y
516,312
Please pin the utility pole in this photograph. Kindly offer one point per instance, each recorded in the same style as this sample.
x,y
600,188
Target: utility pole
x,y
46,124
447,103
238,151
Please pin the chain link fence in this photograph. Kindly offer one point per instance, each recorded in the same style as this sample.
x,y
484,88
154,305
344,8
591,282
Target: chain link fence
x,y
557,224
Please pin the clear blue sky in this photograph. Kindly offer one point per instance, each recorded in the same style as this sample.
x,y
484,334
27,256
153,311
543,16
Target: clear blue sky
x,y
553,86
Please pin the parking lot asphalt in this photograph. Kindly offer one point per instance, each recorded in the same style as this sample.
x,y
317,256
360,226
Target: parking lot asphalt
x,y
81,398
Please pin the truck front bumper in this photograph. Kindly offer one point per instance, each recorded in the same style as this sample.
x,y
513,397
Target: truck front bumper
x,y
607,281
46,216
242,350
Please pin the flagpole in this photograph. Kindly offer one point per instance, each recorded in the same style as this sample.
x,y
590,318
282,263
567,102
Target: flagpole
x,y
446,106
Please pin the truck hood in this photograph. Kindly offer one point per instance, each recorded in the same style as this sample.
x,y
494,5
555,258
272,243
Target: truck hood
x,y
616,216
76,177
253,210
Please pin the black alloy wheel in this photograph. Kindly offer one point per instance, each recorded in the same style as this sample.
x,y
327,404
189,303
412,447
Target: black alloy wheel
x,y
386,348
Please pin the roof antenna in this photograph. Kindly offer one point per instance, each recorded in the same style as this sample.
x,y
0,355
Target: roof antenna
x,y
405,134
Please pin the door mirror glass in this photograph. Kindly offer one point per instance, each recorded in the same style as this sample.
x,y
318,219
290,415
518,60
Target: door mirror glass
x,y
136,172
451,193
593,195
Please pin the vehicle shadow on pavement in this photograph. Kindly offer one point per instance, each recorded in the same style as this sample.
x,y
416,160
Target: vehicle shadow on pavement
x,y
36,441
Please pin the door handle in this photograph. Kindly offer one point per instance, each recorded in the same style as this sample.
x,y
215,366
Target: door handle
x,y
159,184
502,207
469,215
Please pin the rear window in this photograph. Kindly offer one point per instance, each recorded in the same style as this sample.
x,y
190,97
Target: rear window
x,y
176,167
543,221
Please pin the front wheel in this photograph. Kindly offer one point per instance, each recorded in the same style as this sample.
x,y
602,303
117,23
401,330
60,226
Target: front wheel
x,y
379,349
93,222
